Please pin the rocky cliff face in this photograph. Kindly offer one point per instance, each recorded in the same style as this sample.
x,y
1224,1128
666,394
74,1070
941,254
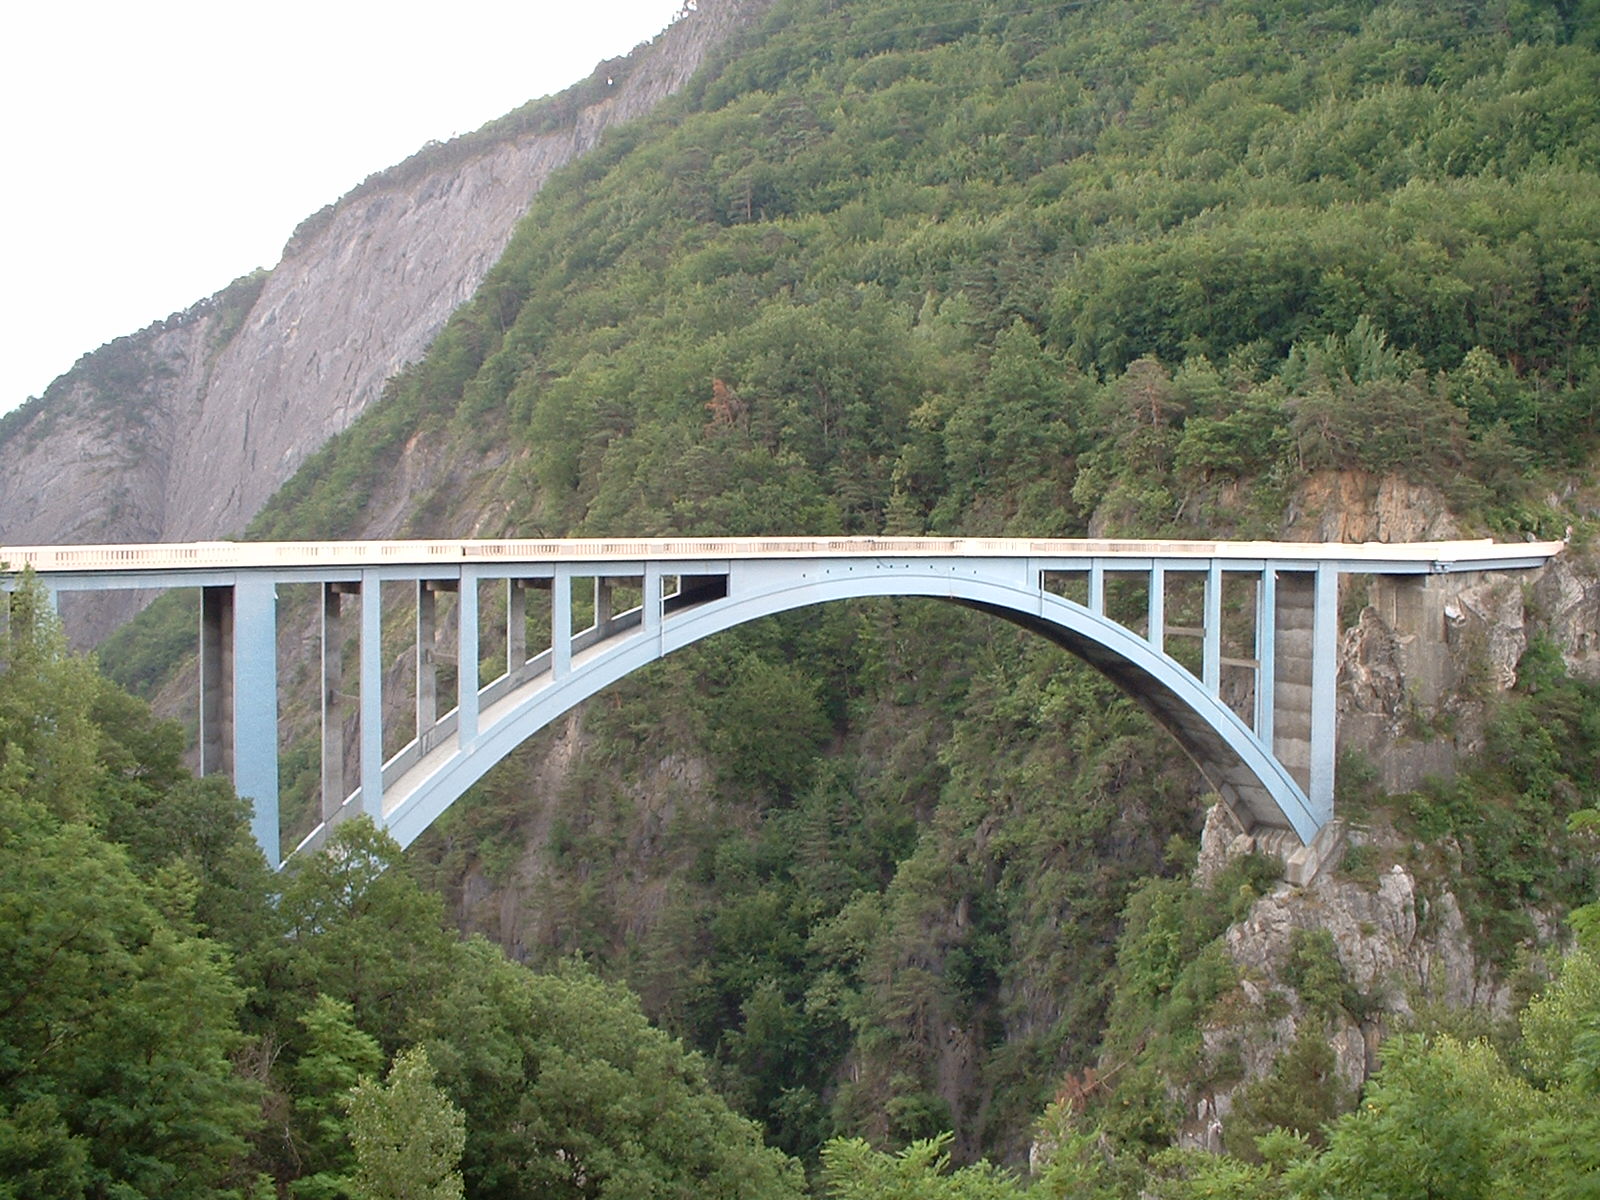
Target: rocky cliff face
x,y
1396,941
1380,937
1424,662
182,431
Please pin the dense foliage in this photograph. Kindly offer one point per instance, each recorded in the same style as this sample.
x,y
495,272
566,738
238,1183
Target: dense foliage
x,y
935,264
1441,1118
1141,266
174,1021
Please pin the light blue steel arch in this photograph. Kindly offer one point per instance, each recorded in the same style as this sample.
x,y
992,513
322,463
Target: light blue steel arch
x,y
1212,733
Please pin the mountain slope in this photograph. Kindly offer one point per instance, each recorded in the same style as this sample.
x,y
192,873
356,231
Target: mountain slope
x,y
1239,268
1248,267
184,429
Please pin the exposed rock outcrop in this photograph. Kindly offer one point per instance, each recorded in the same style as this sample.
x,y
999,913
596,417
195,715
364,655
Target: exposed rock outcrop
x,y
1396,942
1565,598
1355,506
1423,656
183,431
1421,662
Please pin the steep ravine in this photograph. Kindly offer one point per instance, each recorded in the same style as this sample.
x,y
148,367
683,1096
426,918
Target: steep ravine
x,y
566,849
1425,662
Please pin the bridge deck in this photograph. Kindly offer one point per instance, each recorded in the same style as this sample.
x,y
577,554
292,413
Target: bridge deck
x,y
1481,554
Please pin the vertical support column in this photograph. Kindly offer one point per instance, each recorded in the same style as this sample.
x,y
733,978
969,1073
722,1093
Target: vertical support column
x,y
561,623
216,680
1157,634
335,704
516,624
255,706
1266,652
1211,635
602,604
1324,691
1097,586
371,711
427,652
467,660
651,600
1294,672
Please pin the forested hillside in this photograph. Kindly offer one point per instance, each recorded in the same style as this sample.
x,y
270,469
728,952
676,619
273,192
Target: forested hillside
x,y
1241,268
967,267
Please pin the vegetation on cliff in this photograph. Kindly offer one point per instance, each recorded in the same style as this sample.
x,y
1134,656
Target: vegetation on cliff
x,y
959,267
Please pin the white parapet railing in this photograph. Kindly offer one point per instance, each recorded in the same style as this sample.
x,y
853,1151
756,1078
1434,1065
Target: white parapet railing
x,y
212,556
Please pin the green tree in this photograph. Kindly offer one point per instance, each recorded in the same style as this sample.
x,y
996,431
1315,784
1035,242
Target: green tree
x,y
1301,1094
407,1135
1561,1026
1435,1122
335,1058
362,932
573,1094
853,1170
769,727
46,703
1561,1040
116,1021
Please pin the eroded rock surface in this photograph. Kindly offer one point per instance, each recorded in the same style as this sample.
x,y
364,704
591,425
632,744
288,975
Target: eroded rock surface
x,y
1398,942
183,430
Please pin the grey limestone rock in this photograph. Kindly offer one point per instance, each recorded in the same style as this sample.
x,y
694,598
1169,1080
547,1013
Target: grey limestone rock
x,y
184,430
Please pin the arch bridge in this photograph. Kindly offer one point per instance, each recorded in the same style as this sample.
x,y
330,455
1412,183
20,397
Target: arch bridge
x,y
1232,646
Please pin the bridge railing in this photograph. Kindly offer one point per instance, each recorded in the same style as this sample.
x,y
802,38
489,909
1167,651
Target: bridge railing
x,y
255,555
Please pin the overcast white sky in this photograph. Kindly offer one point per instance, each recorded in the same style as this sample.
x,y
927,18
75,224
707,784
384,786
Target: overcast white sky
x,y
156,151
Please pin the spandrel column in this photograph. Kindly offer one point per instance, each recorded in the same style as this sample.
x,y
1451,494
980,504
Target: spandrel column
x,y
336,703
